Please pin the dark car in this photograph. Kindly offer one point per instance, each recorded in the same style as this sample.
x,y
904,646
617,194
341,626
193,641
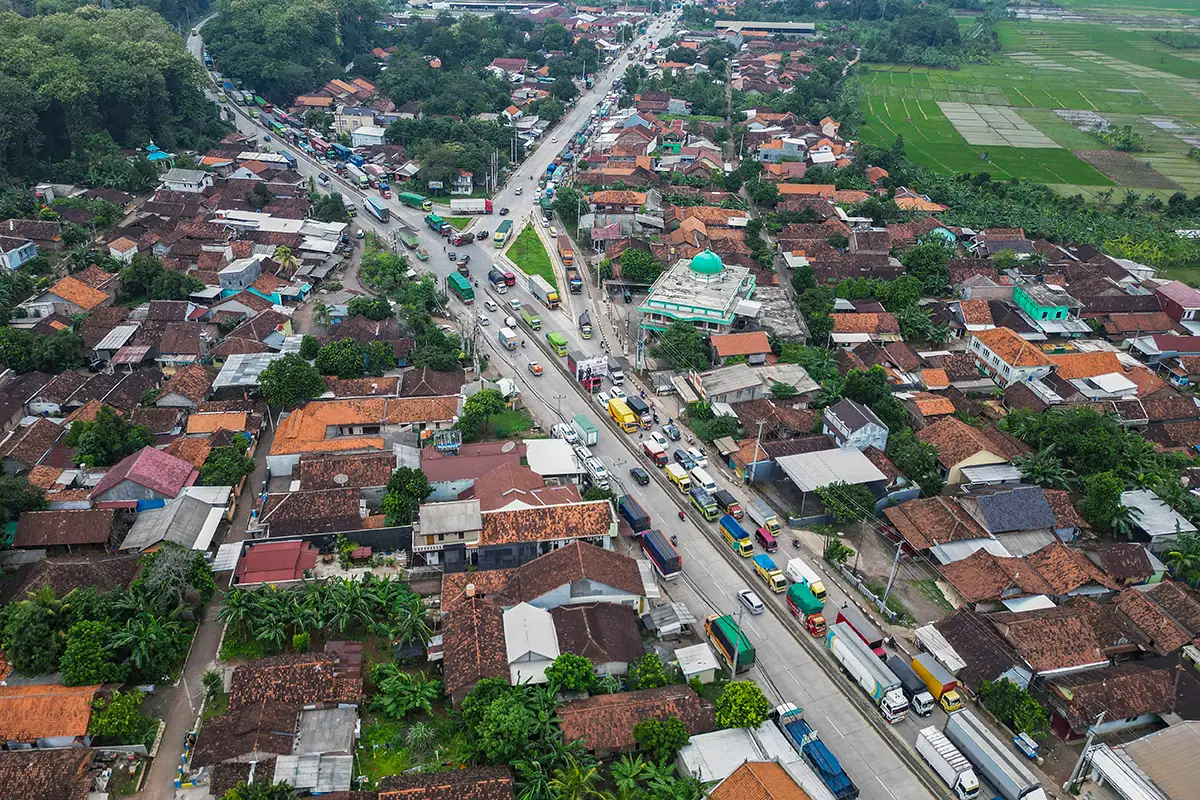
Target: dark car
x,y
671,431
453,255
504,211
466,259
640,475
683,459
482,235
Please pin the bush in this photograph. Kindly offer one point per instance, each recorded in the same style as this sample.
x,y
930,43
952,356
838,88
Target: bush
x,y
742,705
120,720
300,642
1015,707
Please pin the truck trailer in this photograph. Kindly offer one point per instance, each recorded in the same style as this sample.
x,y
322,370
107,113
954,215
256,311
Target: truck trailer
x,y
817,755
919,699
588,370
414,200
948,762
471,206
543,291
871,674
662,554
995,761
867,631
587,432
633,513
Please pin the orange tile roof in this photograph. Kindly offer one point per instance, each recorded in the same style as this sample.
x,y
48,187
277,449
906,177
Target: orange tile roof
x,y
44,711
75,291
875,174
43,477
759,780
547,523
1072,366
976,312
741,344
1147,382
1012,349
820,189
865,323
850,196
935,378
618,197
932,405
918,204
305,429
210,423
192,449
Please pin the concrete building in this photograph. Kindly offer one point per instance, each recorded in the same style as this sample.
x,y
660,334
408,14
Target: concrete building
x,y
702,291
1008,358
854,425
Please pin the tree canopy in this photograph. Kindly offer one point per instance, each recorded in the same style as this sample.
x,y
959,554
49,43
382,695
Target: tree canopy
x,y
106,439
290,381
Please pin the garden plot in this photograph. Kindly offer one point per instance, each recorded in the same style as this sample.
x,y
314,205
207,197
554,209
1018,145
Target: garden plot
x,y
994,126
1036,61
1083,120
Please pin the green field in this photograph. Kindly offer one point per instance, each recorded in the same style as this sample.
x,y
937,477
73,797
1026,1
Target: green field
x,y
1124,76
528,253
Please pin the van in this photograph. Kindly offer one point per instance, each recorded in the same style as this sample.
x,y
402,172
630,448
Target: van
x,y
767,541
703,479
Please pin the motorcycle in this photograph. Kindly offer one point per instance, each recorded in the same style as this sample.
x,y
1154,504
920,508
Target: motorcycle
x,y
522,343
796,544
674,540
682,515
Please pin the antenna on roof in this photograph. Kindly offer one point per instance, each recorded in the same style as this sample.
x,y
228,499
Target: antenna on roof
x,y
341,479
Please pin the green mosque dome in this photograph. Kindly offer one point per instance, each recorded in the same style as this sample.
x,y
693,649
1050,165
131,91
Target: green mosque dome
x,y
706,263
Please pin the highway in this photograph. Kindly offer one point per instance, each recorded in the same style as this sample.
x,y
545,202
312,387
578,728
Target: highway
x,y
791,666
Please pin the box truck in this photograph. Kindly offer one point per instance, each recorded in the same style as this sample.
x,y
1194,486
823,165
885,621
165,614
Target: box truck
x,y
765,568
941,684
994,761
585,430
919,699
805,607
948,762
871,674
761,513
799,571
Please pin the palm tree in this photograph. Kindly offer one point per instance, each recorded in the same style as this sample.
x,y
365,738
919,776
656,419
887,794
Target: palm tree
x,y
146,637
1184,565
577,781
533,780
284,258
629,771
1124,521
79,257
420,738
411,620
1045,469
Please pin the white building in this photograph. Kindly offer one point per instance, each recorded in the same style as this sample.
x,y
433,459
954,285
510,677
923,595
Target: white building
x,y
1007,358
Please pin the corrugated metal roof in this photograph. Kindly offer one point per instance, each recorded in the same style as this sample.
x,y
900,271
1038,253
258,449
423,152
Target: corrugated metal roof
x,y
117,337
811,471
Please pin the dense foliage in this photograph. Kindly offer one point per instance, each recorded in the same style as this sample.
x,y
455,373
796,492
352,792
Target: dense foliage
x,y
290,381
119,720
146,278
24,351
742,704
1015,707
406,490
18,495
226,466
683,346
106,439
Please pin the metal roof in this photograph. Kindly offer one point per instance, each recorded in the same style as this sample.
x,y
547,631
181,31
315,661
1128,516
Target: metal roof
x,y
1169,758
452,517
131,354
117,337
243,369
811,471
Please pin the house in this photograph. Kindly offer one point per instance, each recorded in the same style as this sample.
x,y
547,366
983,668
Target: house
x,y
44,716
1129,695
240,274
962,446
462,183
306,512
186,180
759,780
147,478
1052,641
987,581
25,448
475,783
187,388
605,722
275,563
816,470
849,329
604,633
15,251
473,645
367,135
182,344
984,654
69,530
852,424
754,346
1155,519
72,296
1127,563
1007,358
60,774
1166,613
1181,303
189,520
932,522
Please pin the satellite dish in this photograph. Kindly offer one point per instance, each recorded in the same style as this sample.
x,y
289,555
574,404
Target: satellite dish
x,y
508,447
341,479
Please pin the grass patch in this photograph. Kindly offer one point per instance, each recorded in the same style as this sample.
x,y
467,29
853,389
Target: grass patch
x,y
528,253
123,782
928,587
216,707
458,223
904,616
511,423
382,749
233,650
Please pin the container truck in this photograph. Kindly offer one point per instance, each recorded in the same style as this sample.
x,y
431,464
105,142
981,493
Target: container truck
x,y
357,176
765,568
920,701
543,291
587,432
994,761
585,325
502,232
948,762
655,453
471,206
573,280
633,513
414,200
437,224
530,317
678,476
621,415
566,250
557,342
662,554
728,503
805,607
409,238
941,684
507,338
639,406
761,513
804,738
588,370
736,536
496,278
461,288
871,674
373,170
615,373
867,631
377,209
723,632
798,570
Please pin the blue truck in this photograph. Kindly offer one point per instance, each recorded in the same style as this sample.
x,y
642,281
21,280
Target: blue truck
x,y
289,158
633,513
820,758
662,554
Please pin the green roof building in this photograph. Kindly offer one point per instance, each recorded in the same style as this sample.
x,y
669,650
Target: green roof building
x,y
702,291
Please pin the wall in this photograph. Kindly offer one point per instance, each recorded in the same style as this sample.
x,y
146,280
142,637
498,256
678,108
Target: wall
x,y
982,458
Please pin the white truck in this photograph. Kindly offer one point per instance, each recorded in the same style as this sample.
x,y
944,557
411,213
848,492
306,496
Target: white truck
x,y
471,206
950,764
597,473
998,763
871,674
585,430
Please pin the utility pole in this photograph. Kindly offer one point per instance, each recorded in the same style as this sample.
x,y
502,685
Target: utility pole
x,y
1075,773
891,578
757,441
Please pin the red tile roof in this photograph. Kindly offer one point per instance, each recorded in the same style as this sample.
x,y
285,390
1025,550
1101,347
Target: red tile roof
x,y
44,711
1012,349
605,722
275,562
153,469
741,344
571,521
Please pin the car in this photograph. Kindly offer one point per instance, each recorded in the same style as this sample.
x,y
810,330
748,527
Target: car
x,y
358,234
751,601
618,393
481,235
553,232
659,439
520,189
504,211
514,304
554,138
682,458
671,431
266,137
565,432
535,369
697,456
453,256
510,322
640,475
466,259
602,399
422,254
582,453
484,321
490,305
538,194
322,177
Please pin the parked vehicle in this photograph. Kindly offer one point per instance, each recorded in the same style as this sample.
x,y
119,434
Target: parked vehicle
x,y
765,569
799,571
409,238
725,500
730,642
565,432
622,415
764,537
807,742
867,631
583,427
662,554
655,453
761,513
543,291
948,762
871,674
941,684
919,699
735,535
994,761
633,513
678,476
471,206
805,607
597,473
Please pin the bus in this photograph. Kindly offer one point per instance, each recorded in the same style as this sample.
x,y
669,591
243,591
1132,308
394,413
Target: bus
x,y
461,288
704,503
502,232
377,209
275,127
558,342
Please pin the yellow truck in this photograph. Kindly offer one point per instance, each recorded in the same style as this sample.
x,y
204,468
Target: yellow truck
x,y
938,680
623,415
678,476
765,568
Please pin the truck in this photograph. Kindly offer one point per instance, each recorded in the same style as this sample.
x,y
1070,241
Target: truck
x,y
507,338
530,317
662,554
731,644
920,701
998,764
588,370
805,607
502,232
357,176
597,473
790,720
566,250
459,238
615,373
573,280
437,224
761,513
409,238
941,684
867,631
655,453
736,536
678,476
461,288
374,171
557,342
704,503
471,206
798,570
585,325
765,568
496,278
621,415
632,512
377,209
588,433
543,291
414,200
871,674
340,151
728,503
948,762
642,409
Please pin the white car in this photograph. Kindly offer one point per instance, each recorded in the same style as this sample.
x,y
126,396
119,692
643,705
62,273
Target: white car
x,y
520,189
583,453
659,440
751,601
698,456
490,305
566,433
514,304
484,321
554,138
602,399
618,393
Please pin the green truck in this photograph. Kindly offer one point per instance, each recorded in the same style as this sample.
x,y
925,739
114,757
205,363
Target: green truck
x,y
414,200
409,238
437,224
530,317
460,287
557,342
723,632
502,232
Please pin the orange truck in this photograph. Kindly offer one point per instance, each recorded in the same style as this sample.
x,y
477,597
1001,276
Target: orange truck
x,y
566,250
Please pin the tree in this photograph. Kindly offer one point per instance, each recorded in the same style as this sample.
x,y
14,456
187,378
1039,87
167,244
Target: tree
x,y
406,490
309,346
564,89
917,460
32,636
1101,504
375,308
120,720
213,684
505,728
1015,707
260,790
577,779
106,439
225,466
570,673
928,263
647,672
741,704
18,495
685,347
399,694
329,208
847,502
639,266
1045,469
343,359
1184,560
290,381
86,659
22,351
567,202
783,391
661,739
